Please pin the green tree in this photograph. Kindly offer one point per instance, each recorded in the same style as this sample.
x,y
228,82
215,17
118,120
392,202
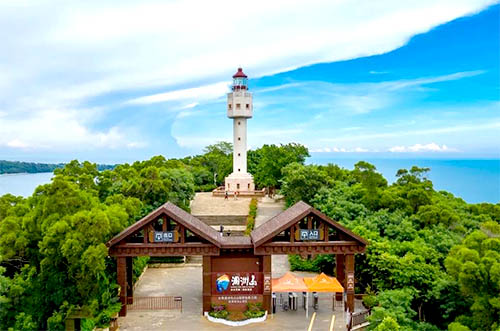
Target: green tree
x,y
475,265
301,182
267,162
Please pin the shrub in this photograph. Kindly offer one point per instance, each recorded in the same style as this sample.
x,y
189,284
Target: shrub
x,y
252,213
219,311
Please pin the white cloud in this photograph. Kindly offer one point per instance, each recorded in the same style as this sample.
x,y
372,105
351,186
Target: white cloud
x,y
207,92
54,129
492,125
64,54
431,147
339,150
16,143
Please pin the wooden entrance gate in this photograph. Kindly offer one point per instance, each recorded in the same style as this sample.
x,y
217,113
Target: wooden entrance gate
x,y
156,303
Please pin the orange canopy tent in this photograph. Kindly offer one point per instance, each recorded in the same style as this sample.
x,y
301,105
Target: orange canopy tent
x,y
289,283
323,283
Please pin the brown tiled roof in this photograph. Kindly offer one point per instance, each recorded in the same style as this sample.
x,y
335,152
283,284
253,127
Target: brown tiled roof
x,y
289,217
177,214
236,242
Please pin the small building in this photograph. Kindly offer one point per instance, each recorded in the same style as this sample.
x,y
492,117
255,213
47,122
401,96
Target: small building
x,y
236,270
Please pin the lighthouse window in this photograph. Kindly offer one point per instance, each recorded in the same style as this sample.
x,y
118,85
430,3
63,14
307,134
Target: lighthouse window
x,y
248,106
238,171
229,106
237,106
239,154
238,186
239,123
239,138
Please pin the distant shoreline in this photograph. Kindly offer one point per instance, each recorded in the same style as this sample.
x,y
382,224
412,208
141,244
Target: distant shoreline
x,y
19,167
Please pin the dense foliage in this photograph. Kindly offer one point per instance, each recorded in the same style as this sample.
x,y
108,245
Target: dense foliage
x,y
433,260
15,167
53,258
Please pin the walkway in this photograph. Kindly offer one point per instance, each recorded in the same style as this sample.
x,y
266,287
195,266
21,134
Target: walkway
x,y
267,208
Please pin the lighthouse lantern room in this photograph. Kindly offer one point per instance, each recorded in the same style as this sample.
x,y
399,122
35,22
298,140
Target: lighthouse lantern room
x,y
239,108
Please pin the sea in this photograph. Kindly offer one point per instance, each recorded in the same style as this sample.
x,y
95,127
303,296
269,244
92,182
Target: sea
x,y
474,181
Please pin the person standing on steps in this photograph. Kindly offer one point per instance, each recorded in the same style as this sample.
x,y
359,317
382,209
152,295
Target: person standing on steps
x,y
226,195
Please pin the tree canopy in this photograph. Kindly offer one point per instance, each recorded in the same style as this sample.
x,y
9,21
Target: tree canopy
x,y
433,259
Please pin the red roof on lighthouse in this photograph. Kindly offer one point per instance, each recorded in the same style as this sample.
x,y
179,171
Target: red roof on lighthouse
x,y
240,73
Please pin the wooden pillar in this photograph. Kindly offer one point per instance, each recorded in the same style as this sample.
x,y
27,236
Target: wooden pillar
x,y
349,266
267,295
130,282
340,273
207,283
121,275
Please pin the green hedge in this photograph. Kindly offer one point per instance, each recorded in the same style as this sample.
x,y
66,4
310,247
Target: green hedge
x,y
252,213
320,263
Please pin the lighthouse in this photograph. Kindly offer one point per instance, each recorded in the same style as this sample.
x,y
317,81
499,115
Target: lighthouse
x,y
239,108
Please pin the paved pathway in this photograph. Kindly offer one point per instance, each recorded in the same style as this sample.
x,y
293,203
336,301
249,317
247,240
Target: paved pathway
x,y
206,204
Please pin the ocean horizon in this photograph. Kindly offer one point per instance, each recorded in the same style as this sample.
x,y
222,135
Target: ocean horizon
x,y
474,180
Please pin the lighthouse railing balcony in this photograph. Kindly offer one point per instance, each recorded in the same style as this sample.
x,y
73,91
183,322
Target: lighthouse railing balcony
x,y
241,93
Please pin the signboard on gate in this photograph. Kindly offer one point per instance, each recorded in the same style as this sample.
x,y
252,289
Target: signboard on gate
x,y
350,281
236,283
312,234
164,237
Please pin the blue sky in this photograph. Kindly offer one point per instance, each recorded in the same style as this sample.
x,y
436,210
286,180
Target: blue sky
x,y
346,78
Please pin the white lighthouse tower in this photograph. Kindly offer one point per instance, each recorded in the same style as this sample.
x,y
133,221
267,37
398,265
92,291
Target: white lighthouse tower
x,y
239,108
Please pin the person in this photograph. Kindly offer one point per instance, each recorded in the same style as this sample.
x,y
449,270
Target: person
x,y
226,196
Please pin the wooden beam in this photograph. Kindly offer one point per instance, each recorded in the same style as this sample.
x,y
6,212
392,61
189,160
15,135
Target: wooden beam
x,y
164,225
349,267
121,275
207,283
182,231
266,266
340,272
309,222
292,234
130,283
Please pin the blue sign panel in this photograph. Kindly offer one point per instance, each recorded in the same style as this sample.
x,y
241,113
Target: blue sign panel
x,y
164,237
312,234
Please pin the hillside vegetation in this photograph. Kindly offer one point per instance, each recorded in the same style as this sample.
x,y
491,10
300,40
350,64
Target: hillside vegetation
x,y
432,263
432,260
53,258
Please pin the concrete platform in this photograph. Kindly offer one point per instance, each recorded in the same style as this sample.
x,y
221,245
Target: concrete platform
x,y
204,204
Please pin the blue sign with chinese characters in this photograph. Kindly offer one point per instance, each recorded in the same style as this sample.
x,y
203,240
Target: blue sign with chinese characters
x,y
164,237
312,234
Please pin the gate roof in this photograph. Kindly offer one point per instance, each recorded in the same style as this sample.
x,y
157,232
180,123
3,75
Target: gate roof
x,y
177,214
291,216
